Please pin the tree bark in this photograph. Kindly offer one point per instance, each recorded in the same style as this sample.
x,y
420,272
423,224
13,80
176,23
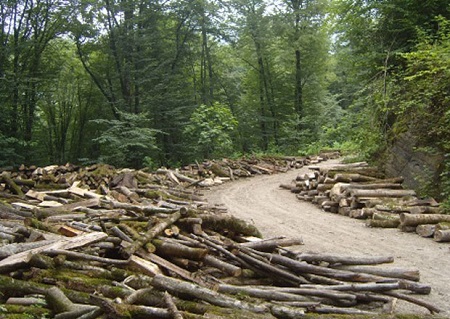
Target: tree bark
x,y
347,178
381,192
150,234
386,223
430,307
217,222
414,220
7,212
174,312
228,268
178,287
282,274
70,243
171,249
345,260
426,230
273,243
390,272
6,178
442,236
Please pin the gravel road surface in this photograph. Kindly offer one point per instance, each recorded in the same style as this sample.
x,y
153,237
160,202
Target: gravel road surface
x,y
277,212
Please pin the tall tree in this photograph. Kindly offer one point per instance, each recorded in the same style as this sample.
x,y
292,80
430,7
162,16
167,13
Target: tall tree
x,y
255,26
27,28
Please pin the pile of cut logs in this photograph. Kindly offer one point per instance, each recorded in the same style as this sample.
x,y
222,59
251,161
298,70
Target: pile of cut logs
x,y
98,242
360,191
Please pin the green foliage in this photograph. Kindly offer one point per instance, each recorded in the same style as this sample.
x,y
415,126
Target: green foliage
x,y
211,130
445,182
126,142
422,102
10,151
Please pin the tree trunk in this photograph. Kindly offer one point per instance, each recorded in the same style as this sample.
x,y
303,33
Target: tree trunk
x,y
414,220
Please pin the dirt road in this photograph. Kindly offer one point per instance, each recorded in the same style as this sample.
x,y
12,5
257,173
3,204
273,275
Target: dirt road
x,y
276,212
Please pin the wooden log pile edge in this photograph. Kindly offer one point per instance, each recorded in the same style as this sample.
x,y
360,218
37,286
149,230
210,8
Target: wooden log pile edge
x,y
146,245
359,191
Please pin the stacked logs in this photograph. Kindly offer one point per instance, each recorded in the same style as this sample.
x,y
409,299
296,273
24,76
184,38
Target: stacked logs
x,y
207,173
148,246
362,192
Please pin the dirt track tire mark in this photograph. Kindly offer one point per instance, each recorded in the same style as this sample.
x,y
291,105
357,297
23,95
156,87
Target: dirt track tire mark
x,y
277,212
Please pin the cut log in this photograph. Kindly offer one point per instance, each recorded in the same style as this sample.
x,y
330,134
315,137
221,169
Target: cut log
x,y
432,308
78,255
411,209
173,310
381,193
7,212
220,223
443,226
171,249
25,301
70,243
374,287
407,229
301,268
377,185
150,234
133,196
346,177
344,211
15,248
442,236
58,300
341,311
183,273
271,244
345,260
383,223
271,270
6,178
283,294
414,220
390,272
145,209
222,265
344,202
426,230
385,216
324,187
360,213
178,287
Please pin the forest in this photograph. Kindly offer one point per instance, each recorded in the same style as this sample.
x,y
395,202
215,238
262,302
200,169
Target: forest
x,y
138,83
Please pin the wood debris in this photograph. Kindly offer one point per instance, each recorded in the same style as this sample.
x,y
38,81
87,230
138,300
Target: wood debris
x,y
135,244
359,191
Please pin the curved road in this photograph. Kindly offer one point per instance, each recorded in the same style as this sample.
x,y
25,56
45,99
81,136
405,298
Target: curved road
x,y
277,212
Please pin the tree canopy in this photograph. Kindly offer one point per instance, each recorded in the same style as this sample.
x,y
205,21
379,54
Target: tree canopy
x,y
134,82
